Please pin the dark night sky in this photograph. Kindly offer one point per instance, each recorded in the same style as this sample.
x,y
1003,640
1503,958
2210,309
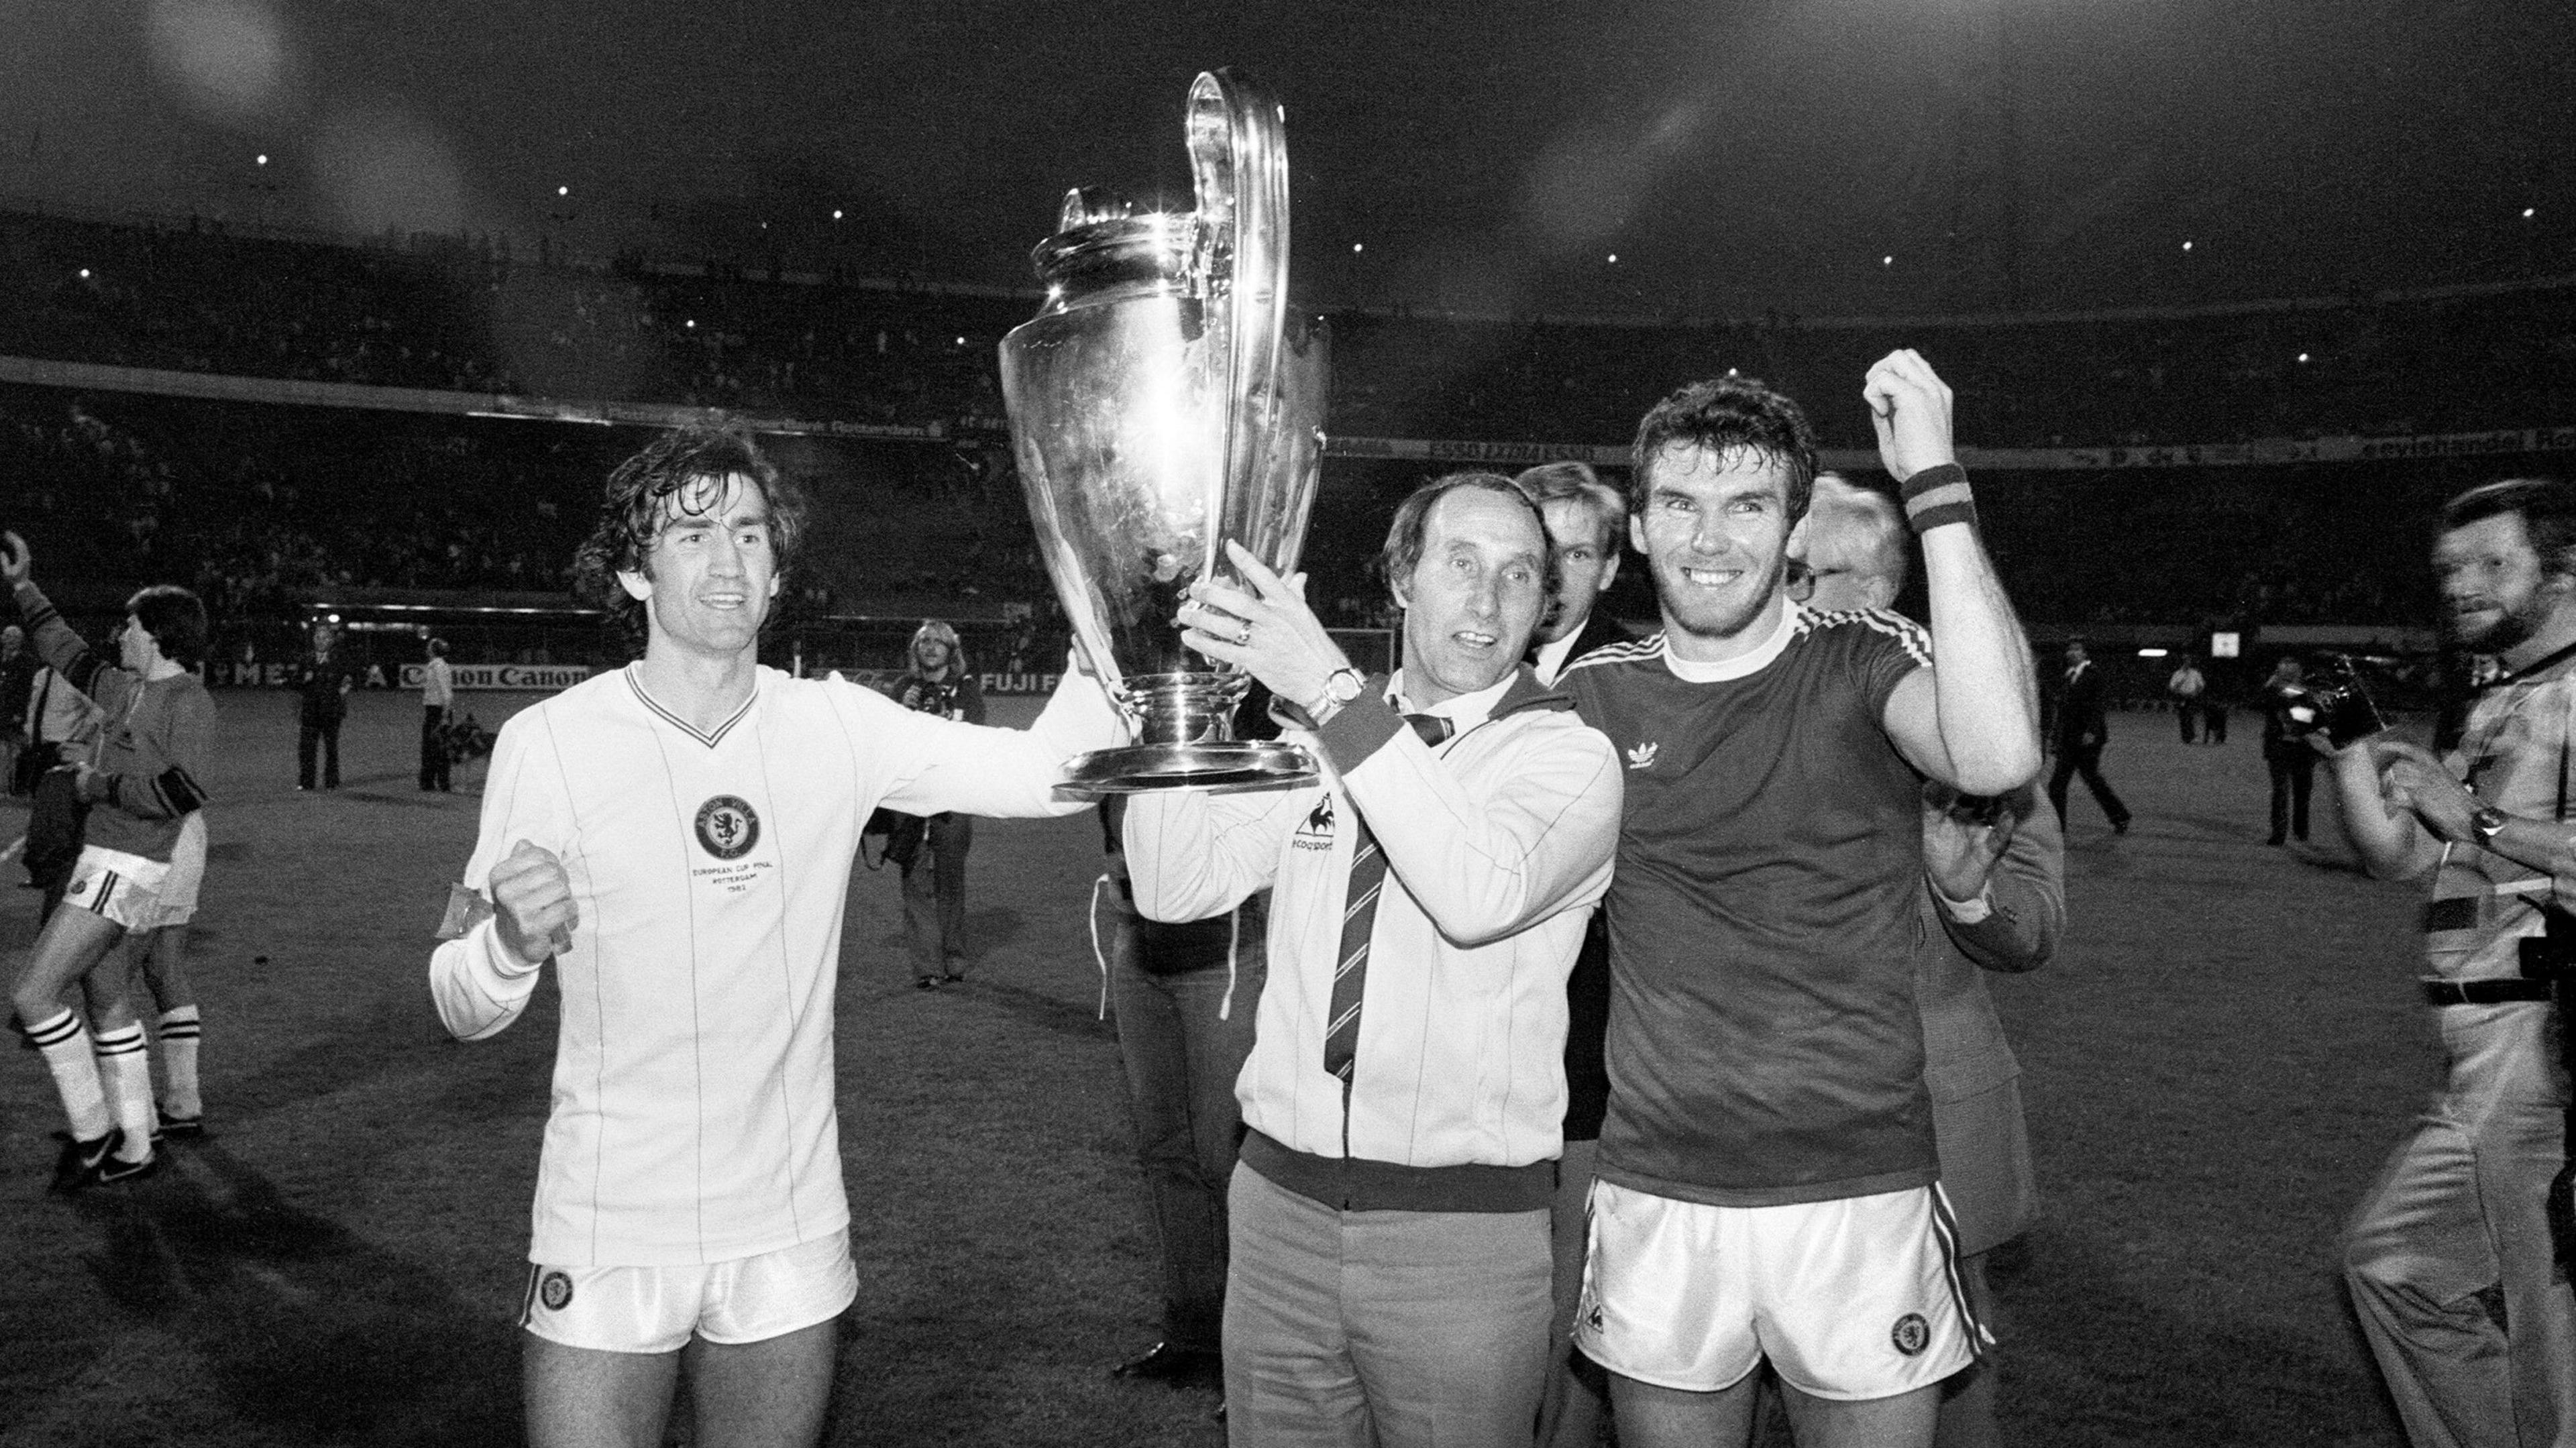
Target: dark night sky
x,y
1736,155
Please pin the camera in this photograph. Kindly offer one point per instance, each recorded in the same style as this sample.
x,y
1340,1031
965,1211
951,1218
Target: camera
x,y
2334,701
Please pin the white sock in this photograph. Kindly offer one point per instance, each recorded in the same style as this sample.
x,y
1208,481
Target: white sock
x,y
65,1046
123,1061
179,1028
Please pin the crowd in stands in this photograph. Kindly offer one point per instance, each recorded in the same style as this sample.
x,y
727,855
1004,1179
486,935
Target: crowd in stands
x,y
261,505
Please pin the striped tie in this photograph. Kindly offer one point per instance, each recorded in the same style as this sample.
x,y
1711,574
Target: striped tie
x,y
1359,918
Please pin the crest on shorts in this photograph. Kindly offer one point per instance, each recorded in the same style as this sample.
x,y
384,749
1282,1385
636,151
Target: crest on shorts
x,y
727,827
554,1290
1911,1334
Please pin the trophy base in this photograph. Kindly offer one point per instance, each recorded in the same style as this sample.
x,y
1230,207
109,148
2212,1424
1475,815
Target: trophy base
x,y
1218,767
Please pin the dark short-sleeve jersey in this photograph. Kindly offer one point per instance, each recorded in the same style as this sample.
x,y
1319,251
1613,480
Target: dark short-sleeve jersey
x,y
1764,1045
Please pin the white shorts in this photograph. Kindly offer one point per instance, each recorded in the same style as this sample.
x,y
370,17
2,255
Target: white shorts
x,y
1850,1300
126,889
657,1309
187,870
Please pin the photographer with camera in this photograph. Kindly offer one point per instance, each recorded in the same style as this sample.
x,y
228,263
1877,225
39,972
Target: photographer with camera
x,y
2289,716
2456,1267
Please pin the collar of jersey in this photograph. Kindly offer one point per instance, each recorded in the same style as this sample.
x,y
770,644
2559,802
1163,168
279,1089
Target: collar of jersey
x,y
1743,666
709,738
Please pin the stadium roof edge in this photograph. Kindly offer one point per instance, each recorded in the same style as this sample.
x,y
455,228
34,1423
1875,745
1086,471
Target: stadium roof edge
x,y
21,207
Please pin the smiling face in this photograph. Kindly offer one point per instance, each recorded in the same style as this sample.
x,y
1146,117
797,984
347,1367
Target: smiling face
x,y
1587,563
1474,596
2494,592
1716,535
712,570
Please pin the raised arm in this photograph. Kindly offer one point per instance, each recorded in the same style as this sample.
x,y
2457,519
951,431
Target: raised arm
x,y
54,640
945,764
1972,721
514,909
1191,855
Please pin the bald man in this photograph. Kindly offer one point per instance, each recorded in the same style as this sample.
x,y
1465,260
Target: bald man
x,y
1994,898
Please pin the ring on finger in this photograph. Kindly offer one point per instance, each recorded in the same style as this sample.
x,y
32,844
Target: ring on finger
x,y
1243,635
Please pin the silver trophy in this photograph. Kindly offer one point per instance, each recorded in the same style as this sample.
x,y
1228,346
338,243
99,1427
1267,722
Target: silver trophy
x,y
1163,401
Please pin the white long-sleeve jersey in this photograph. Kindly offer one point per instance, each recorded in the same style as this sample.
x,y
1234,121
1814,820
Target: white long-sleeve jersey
x,y
693,1084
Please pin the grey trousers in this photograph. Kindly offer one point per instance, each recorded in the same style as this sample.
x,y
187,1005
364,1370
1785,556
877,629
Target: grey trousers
x,y
2448,1257
1382,1329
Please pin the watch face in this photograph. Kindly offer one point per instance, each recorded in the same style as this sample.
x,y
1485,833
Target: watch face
x,y
1342,687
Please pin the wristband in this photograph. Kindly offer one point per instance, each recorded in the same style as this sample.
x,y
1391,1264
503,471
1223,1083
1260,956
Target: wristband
x,y
1938,496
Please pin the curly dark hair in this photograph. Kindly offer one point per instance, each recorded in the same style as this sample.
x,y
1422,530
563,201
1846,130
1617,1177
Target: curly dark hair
x,y
1722,415
175,619
678,475
1412,523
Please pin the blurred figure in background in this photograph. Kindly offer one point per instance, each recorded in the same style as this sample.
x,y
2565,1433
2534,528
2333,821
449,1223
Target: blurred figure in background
x,y
934,876
2286,753
437,698
2185,687
323,681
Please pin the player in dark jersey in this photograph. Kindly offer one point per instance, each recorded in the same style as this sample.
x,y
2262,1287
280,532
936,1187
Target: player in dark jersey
x,y
1767,1169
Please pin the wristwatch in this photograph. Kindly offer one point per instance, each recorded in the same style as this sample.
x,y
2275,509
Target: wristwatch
x,y
1341,686
2488,822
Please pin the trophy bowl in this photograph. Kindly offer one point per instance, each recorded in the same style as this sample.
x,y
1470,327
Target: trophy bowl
x,y
1163,401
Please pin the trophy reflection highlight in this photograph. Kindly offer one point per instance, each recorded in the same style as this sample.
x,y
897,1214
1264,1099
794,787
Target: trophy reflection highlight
x,y
1163,401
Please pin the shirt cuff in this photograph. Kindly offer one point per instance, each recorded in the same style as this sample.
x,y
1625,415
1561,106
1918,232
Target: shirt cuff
x,y
506,965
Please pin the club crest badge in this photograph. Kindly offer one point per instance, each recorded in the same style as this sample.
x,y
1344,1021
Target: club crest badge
x,y
555,1291
727,827
1911,1334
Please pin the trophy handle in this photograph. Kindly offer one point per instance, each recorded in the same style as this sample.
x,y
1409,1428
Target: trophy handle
x,y
1238,138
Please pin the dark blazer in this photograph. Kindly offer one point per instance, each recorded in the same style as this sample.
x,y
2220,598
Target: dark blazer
x,y
2079,710
1587,990
1598,629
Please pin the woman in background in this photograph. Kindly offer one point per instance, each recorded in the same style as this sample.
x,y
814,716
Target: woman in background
x,y
934,871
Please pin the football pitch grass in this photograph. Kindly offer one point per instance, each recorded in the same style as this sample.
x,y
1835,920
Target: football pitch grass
x,y
2224,1049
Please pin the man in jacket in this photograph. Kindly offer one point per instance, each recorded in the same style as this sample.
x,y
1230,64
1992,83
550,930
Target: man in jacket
x,y
1406,1090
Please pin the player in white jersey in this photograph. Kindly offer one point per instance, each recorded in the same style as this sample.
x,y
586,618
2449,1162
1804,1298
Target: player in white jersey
x,y
676,837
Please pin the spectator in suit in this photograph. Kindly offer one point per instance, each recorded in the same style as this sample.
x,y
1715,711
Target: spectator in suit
x,y
1585,520
1995,871
323,680
1585,517
2082,730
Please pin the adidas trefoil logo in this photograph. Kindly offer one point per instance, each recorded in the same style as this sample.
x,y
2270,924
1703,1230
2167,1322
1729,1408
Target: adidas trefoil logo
x,y
1643,756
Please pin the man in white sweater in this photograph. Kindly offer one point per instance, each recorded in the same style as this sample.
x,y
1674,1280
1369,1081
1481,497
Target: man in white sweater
x,y
676,838
1406,1091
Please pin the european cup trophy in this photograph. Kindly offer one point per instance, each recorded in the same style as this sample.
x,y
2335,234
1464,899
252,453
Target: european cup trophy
x,y
1163,401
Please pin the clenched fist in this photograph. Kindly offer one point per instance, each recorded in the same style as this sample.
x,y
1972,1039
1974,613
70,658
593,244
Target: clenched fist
x,y
532,903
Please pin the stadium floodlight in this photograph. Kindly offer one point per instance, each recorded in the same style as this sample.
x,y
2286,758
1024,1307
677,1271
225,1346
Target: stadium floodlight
x,y
563,191
836,213
2152,653
1362,246
84,273
2529,211
263,158
2186,246
1887,261
1614,258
